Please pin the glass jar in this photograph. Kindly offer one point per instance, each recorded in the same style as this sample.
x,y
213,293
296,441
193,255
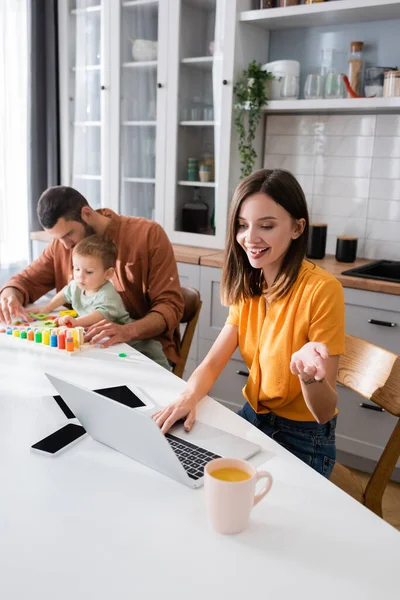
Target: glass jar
x,y
356,67
391,87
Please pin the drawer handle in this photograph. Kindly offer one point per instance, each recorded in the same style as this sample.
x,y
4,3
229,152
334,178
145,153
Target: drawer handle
x,y
371,407
383,323
243,373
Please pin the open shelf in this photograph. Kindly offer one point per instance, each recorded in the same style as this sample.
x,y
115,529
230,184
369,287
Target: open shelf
x,y
86,68
197,123
340,12
87,123
88,177
87,9
204,63
139,123
346,105
208,184
140,64
140,2
139,179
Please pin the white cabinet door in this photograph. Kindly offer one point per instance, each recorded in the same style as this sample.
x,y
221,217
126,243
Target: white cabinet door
x,y
229,385
201,56
362,431
380,327
83,61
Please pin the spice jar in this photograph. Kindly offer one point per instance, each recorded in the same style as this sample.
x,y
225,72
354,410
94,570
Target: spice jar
x,y
356,65
391,87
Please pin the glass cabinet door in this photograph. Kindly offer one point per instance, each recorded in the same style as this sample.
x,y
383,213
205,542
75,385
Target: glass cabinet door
x,y
199,124
141,118
84,83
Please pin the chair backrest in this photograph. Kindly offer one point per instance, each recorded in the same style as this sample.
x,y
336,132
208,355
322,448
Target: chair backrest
x,y
374,373
191,313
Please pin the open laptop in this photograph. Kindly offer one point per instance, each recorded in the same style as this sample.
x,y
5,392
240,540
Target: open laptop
x,y
132,431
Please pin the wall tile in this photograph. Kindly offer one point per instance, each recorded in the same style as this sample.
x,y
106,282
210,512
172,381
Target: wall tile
x,y
339,225
342,187
345,145
349,168
385,189
341,207
347,125
379,250
384,210
387,147
298,165
387,125
291,144
295,124
342,167
383,230
385,168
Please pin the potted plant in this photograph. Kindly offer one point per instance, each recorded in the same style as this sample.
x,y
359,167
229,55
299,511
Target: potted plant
x,y
250,98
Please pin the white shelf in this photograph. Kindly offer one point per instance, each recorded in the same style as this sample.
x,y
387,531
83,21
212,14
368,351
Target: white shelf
x,y
339,12
88,9
88,177
204,63
140,3
140,64
87,123
139,123
197,123
86,68
347,105
138,179
209,184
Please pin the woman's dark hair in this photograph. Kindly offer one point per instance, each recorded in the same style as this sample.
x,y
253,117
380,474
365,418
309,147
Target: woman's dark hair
x,y
60,201
239,279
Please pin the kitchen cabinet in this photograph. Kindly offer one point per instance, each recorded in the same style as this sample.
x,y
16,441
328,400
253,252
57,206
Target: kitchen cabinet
x,y
144,86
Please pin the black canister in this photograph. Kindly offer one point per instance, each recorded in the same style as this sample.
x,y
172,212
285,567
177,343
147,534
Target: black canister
x,y
317,240
195,215
346,248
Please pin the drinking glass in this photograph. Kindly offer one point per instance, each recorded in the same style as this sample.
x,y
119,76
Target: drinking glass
x,y
290,87
314,87
334,87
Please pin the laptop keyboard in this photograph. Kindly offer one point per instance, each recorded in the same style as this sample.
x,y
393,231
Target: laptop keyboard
x,y
193,458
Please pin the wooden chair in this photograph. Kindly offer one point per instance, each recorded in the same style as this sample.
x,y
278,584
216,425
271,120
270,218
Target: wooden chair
x,y
191,313
373,373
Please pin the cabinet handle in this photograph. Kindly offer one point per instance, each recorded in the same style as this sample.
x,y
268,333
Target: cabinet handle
x,y
103,87
383,323
371,407
225,82
242,373
159,85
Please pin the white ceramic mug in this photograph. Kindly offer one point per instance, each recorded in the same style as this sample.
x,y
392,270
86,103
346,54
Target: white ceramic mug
x,y
229,503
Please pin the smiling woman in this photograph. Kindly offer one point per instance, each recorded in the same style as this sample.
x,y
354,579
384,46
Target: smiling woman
x,y
14,240
287,319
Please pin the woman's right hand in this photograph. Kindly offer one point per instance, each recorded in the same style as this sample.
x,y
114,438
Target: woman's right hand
x,y
183,408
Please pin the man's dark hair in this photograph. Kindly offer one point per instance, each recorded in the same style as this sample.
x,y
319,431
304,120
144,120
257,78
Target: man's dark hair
x,y
57,202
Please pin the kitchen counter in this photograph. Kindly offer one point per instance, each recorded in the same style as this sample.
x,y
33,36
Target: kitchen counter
x,y
214,258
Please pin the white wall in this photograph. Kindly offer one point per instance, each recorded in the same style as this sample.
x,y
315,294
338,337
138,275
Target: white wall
x,y
349,168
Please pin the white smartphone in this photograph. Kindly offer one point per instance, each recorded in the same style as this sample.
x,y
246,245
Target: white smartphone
x,y
60,440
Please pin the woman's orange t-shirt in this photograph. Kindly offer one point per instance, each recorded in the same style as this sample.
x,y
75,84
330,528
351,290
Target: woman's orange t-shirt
x,y
312,311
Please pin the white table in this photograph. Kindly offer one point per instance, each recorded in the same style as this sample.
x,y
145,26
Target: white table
x,y
94,524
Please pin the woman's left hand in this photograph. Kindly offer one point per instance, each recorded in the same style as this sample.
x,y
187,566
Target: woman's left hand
x,y
309,362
